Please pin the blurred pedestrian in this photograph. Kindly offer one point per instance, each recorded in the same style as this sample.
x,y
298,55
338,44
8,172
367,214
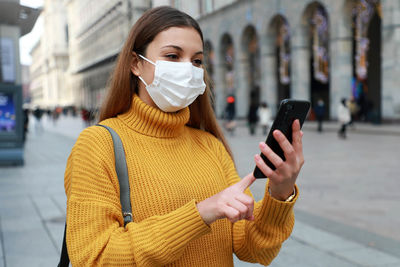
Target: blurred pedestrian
x,y
252,117
87,116
38,113
189,205
319,111
26,123
230,114
264,114
343,117
56,115
353,107
92,115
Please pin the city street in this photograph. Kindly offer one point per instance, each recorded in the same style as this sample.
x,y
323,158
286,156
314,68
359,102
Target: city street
x,y
347,213
62,58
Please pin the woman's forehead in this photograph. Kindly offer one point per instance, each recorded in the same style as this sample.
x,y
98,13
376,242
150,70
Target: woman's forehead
x,y
183,37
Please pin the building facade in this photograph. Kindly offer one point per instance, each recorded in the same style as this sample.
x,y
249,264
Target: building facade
x,y
259,50
265,51
50,59
97,31
36,76
271,50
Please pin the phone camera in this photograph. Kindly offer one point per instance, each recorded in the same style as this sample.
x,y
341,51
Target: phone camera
x,y
289,107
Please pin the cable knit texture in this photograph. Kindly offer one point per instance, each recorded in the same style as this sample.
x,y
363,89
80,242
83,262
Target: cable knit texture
x,y
171,167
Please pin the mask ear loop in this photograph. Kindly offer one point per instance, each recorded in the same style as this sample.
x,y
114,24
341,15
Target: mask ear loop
x,y
148,60
140,78
151,62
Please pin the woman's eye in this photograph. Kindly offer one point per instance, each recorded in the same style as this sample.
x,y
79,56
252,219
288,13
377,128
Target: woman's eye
x,y
172,56
197,62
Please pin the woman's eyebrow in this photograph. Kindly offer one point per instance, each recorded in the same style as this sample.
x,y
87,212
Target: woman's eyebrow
x,y
173,46
180,49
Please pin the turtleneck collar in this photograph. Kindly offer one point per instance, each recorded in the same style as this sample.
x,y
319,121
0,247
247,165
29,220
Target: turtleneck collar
x,y
152,121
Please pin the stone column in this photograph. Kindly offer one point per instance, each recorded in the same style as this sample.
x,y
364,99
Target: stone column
x,y
300,60
340,55
390,59
241,66
268,73
218,79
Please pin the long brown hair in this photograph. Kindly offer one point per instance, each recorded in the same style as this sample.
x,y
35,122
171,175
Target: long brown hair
x,y
124,84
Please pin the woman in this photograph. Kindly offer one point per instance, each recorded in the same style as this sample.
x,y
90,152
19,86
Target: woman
x,y
189,206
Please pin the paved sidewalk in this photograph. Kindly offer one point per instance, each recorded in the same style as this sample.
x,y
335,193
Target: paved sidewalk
x,y
312,247
32,205
357,128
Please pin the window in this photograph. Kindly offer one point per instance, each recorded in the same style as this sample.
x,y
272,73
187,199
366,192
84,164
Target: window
x,y
66,34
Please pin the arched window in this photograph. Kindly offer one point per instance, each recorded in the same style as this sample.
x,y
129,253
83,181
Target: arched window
x,y
318,22
366,83
279,28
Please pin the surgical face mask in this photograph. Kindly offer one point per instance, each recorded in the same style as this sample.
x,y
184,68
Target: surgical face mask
x,y
176,84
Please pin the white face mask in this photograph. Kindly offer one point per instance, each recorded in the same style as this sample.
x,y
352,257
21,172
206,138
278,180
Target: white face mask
x,y
176,84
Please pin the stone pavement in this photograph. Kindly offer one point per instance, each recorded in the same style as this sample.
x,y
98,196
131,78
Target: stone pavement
x,y
344,217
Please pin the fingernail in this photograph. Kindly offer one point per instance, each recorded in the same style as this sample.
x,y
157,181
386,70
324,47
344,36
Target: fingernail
x,y
262,144
257,157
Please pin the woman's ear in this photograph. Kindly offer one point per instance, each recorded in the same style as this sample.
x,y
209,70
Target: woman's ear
x,y
135,64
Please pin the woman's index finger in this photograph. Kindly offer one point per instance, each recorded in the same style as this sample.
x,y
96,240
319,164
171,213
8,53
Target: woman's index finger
x,y
246,182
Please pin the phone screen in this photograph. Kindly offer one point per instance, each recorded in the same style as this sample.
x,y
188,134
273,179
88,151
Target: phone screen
x,y
289,110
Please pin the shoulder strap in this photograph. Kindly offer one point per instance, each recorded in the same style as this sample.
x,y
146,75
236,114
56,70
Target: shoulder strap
x,y
123,179
122,173
64,258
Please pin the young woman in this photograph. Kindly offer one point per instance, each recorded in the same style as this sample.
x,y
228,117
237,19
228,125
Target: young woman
x,y
189,206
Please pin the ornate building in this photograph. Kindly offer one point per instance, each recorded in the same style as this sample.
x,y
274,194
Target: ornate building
x,y
259,50
97,31
50,59
310,50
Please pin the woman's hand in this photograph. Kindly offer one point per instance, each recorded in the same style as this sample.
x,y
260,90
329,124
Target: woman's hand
x,y
231,203
282,180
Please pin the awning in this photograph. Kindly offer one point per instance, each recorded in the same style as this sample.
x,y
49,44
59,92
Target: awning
x,y
12,13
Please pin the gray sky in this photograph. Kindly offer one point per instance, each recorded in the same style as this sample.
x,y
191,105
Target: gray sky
x,y
29,40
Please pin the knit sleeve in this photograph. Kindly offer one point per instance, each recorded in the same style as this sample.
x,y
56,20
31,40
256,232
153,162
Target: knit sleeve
x,y
96,235
259,240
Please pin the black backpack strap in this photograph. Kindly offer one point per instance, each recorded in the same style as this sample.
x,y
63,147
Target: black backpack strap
x,y
64,259
123,179
122,173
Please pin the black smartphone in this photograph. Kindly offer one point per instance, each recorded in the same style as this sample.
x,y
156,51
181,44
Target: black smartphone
x,y
289,110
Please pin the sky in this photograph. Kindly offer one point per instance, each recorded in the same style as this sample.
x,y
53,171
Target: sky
x,y
29,40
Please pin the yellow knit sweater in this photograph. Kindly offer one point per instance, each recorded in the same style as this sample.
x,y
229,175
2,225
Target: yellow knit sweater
x,y
171,167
